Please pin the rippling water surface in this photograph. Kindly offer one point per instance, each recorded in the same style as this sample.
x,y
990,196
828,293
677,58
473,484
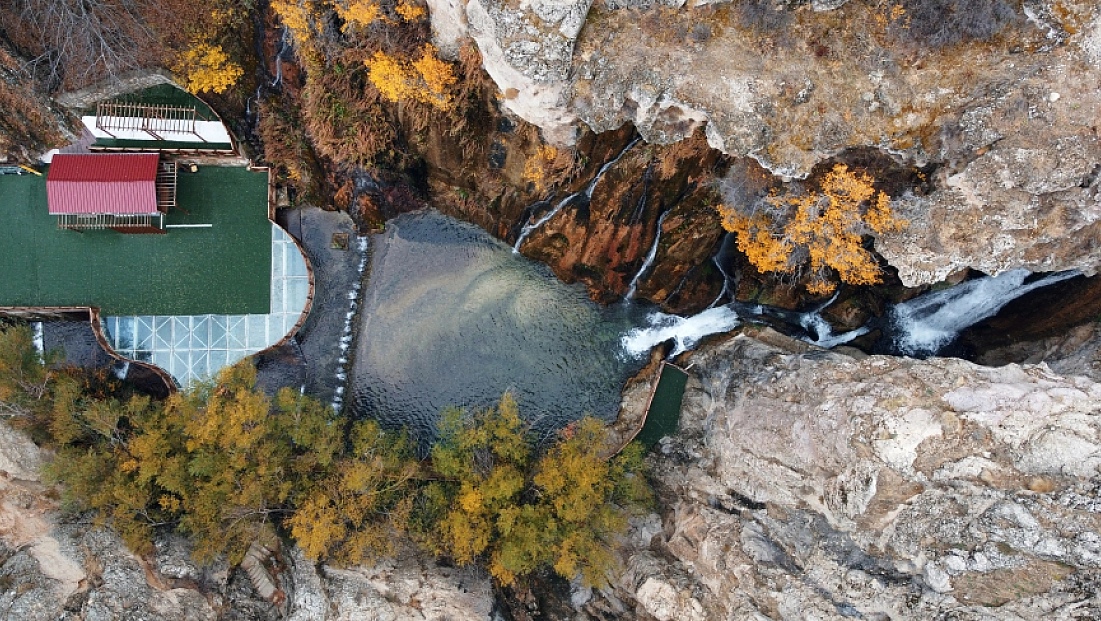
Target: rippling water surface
x,y
451,316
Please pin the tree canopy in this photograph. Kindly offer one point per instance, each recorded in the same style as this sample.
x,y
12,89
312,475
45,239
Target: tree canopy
x,y
518,511
227,465
820,233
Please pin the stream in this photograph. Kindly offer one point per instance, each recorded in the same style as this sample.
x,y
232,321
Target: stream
x,y
452,316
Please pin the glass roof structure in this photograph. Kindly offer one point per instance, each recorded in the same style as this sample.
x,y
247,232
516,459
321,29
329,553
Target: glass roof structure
x,y
196,347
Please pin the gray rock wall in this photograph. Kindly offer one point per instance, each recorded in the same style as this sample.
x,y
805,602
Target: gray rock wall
x,y
814,485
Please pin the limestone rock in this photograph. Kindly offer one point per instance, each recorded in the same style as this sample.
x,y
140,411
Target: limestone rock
x,y
1010,121
813,485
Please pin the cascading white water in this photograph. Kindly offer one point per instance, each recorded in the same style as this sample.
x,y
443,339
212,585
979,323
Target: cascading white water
x,y
820,332
346,333
531,227
927,323
631,288
39,339
686,332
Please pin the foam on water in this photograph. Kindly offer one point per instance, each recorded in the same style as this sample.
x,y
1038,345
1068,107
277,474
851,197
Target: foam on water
x,y
686,332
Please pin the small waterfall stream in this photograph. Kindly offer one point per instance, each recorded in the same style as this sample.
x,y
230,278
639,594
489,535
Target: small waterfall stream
x,y
631,288
923,326
531,227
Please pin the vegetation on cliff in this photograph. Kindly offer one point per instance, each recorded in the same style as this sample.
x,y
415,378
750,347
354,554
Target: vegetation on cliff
x,y
227,465
816,234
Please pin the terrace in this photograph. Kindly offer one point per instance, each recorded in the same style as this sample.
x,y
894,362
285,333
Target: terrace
x,y
214,258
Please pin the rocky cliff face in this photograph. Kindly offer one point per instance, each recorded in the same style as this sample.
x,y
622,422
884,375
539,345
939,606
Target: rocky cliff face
x,y
1003,104
810,484
53,568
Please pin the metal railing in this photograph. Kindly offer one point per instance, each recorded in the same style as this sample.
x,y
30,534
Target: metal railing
x,y
155,120
166,185
98,222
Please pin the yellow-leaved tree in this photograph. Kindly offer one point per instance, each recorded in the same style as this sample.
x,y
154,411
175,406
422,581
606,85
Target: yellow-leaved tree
x,y
819,233
500,505
427,79
206,67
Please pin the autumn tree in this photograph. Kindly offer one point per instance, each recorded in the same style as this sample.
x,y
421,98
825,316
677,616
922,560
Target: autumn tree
x,y
426,79
500,504
817,233
226,465
359,506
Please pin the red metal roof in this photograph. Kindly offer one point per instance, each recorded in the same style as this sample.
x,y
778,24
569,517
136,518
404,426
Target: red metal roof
x,y
115,183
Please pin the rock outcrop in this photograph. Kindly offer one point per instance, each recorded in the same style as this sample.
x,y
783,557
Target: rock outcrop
x,y
1004,105
816,485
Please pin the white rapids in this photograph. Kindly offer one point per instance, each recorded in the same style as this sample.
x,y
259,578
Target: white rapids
x,y
927,323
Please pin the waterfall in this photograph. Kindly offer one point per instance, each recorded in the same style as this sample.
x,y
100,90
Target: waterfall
x,y
820,332
649,259
39,340
605,167
929,322
717,260
686,332
531,227
279,57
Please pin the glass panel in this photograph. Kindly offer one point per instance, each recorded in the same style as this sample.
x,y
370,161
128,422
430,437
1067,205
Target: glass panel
x,y
145,333
126,334
296,266
234,355
257,332
200,332
218,358
111,328
297,291
200,365
163,327
236,327
181,332
277,251
218,332
277,296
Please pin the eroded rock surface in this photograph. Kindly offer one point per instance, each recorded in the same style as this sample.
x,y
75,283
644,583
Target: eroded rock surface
x,y
814,485
1009,119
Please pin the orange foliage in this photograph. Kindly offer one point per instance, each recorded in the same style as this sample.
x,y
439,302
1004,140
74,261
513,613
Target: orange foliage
x,y
409,10
820,231
360,13
426,80
207,67
537,167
